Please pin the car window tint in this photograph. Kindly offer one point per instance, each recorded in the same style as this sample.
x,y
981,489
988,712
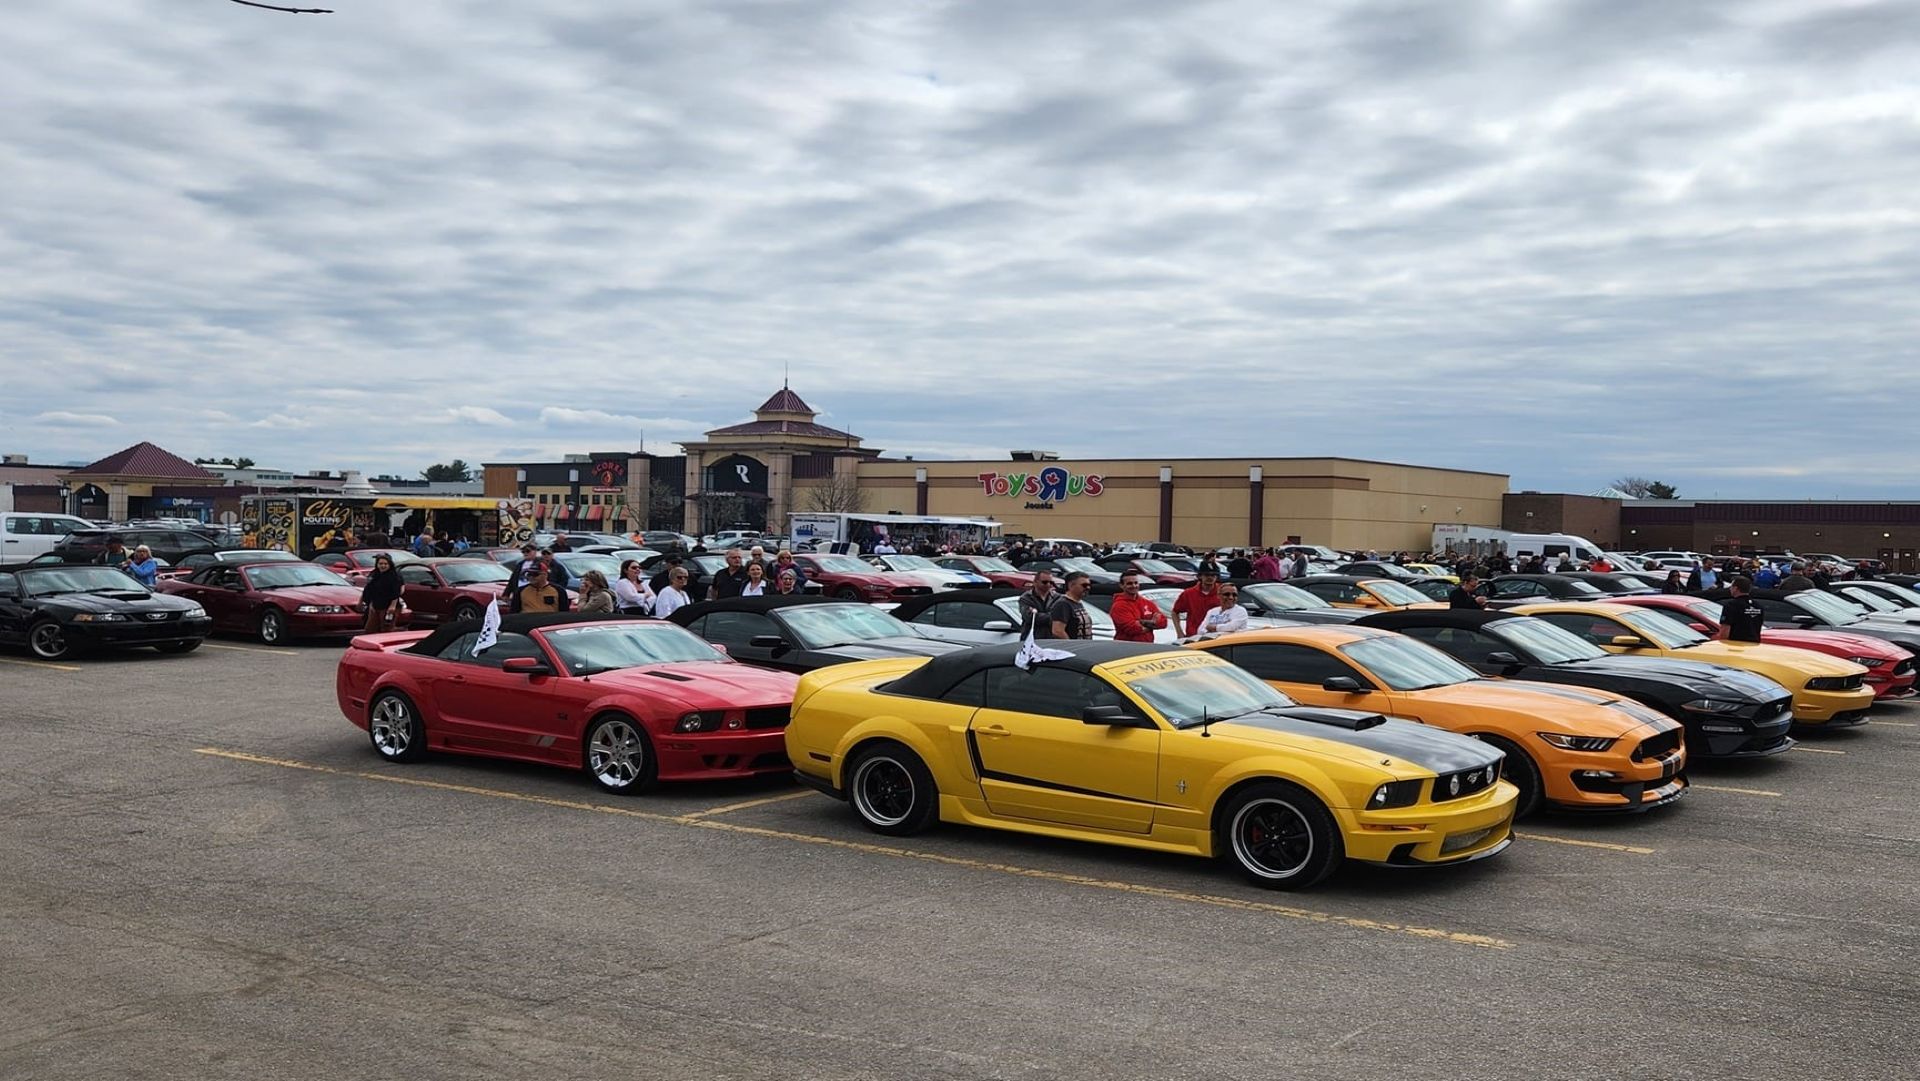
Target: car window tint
x,y
969,615
417,576
1053,692
224,576
735,629
1460,643
1600,632
509,645
971,691
1292,664
1777,611
459,647
9,585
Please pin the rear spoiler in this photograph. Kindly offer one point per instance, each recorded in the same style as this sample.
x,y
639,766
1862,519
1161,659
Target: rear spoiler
x,y
387,641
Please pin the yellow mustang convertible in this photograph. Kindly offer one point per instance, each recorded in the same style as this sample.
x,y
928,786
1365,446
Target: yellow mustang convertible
x,y
1137,745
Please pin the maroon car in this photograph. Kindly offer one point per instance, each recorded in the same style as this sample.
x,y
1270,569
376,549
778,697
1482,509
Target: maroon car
x,y
1001,572
1161,574
277,602
629,701
857,580
444,590
355,564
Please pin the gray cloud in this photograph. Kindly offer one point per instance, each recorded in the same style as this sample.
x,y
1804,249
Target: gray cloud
x,y
1565,240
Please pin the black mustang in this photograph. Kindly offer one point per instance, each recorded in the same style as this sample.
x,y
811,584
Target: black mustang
x,y
799,633
1728,713
57,611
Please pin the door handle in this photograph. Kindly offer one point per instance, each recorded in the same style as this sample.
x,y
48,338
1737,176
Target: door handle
x,y
459,679
995,731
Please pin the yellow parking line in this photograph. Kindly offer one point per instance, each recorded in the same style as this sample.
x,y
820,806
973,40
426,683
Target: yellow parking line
x,y
1308,915
39,664
1729,788
1815,750
252,649
732,807
1608,845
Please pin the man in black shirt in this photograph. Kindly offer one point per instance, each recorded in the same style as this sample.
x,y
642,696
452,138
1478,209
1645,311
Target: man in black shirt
x,y
1068,615
1741,617
731,579
1462,595
1034,604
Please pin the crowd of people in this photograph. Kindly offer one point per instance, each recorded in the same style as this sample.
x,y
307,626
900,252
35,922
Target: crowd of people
x,y
540,583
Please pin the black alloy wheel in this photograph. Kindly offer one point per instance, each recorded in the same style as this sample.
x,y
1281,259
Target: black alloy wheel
x,y
466,610
892,790
273,626
847,593
48,640
1278,836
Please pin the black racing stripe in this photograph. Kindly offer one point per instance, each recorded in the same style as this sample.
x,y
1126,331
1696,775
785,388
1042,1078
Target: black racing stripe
x,y
1435,749
1031,782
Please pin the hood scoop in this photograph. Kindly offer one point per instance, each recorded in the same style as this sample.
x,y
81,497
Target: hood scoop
x,y
1351,720
674,676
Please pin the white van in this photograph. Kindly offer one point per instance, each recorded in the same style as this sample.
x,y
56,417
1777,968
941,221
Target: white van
x,y
23,536
1552,546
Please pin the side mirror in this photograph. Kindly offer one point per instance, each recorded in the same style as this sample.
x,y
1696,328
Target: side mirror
x,y
1342,684
1503,660
719,647
526,666
997,625
1112,717
767,641
1805,620
1701,627
1366,600
1628,641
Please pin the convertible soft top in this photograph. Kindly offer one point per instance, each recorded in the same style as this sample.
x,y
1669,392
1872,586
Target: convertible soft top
x,y
517,623
913,606
937,676
765,603
1465,618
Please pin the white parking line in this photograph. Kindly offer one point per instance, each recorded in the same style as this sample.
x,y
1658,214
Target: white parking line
x,y
1815,750
1730,788
252,649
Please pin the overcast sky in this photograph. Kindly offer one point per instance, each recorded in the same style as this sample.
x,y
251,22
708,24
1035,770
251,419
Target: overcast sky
x,y
1561,240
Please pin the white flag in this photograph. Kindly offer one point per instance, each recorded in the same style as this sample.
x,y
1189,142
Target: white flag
x,y
489,629
1032,653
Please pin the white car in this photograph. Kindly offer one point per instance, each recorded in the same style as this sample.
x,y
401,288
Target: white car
x,y
930,573
23,536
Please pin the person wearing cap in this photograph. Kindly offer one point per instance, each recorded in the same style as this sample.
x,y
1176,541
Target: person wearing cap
x,y
1197,600
116,554
529,559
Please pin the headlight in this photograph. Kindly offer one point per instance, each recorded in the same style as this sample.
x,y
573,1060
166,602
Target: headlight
x,y
99,617
698,722
192,611
1394,794
1868,662
1578,743
1714,705
321,609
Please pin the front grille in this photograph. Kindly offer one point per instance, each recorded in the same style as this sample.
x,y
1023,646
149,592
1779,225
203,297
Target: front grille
x,y
769,717
1657,747
1773,711
158,617
1450,786
912,591
1835,683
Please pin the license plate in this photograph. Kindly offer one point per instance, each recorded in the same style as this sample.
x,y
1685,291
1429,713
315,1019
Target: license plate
x,y
1463,840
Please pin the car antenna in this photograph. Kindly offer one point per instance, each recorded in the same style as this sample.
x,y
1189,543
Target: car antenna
x,y
1204,722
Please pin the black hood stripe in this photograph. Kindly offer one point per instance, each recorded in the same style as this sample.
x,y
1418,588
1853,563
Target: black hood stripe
x,y
1431,748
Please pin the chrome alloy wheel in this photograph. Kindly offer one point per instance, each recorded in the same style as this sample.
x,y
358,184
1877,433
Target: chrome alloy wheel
x,y
617,755
882,791
391,727
1272,838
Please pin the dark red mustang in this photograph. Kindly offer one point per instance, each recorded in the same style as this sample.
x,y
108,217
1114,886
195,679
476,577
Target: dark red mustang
x,y
630,701
277,601
443,590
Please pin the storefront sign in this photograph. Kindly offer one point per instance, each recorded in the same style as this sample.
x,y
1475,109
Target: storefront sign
x,y
332,523
517,521
275,528
609,474
1044,488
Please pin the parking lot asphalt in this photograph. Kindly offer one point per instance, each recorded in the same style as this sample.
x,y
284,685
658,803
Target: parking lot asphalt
x,y
206,873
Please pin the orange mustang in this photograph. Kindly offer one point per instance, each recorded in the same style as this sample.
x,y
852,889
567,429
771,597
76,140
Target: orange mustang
x,y
1574,748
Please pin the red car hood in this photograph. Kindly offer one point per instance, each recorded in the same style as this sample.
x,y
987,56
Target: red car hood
x,y
714,685
1853,645
315,594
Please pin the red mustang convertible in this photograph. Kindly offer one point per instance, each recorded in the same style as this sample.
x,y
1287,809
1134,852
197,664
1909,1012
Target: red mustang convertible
x,y
630,701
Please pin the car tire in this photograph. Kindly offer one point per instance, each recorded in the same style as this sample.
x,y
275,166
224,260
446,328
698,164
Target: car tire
x,y
272,627
1279,836
618,756
1521,771
395,729
891,790
49,641
847,593
178,647
466,610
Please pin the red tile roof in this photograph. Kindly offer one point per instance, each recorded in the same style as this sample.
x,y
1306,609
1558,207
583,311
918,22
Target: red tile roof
x,y
786,401
145,460
784,427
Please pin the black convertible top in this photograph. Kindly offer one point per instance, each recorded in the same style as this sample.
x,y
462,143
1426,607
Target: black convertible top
x,y
913,606
518,623
934,678
765,603
1466,618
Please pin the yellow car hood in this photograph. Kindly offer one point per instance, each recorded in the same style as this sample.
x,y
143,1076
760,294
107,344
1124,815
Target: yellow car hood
x,y
1803,662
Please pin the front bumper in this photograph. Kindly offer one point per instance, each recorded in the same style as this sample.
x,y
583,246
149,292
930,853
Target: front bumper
x,y
1708,735
1823,707
339,625
707,756
138,632
1453,831
1632,787
1891,688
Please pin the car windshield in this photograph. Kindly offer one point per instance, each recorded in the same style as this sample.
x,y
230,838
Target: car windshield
x,y
266,555
991,564
1663,630
1873,602
1196,689
603,648
579,563
1900,594
364,557
1706,612
821,626
466,574
1395,593
842,565
52,583
909,563
297,574
1406,665
1575,585
1391,571
1153,566
1835,610
1283,597
1081,563
1548,643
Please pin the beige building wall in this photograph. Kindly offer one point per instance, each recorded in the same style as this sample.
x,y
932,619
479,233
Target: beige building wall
x,y
1339,502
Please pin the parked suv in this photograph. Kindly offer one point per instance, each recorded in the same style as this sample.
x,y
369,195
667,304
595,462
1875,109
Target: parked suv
x,y
23,536
172,545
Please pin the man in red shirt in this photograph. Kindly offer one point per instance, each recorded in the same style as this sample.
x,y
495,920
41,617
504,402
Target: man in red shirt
x,y
1134,617
1197,600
